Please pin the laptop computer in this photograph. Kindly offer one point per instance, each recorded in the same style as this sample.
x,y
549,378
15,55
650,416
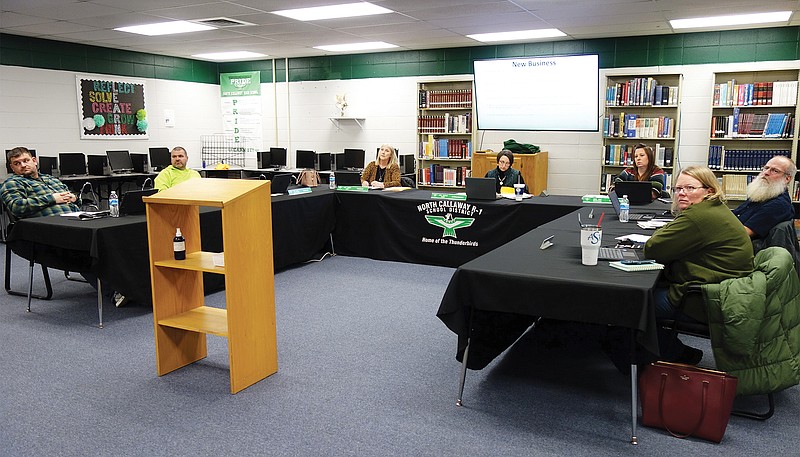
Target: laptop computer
x,y
348,178
280,183
132,203
631,216
616,253
638,192
481,189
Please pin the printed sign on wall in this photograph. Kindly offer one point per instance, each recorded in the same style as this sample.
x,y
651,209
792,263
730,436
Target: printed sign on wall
x,y
241,106
111,108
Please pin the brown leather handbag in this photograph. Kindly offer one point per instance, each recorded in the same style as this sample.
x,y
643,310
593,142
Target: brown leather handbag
x,y
309,178
686,400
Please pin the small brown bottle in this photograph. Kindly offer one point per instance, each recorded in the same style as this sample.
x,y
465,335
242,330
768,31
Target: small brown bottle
x,y
179,245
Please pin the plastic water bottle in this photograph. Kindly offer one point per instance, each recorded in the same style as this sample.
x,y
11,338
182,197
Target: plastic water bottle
x,y
179,245
624,208
332,181
113,204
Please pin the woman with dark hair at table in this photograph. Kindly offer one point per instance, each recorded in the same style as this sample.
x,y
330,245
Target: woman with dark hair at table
x,y
705,244
645,169
504,174
384,171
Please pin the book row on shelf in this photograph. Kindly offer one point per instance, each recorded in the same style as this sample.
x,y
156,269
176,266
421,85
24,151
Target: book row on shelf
x,y
622,155
720,158
607,182
778,93
449,123
451,98
641,92
735,186
752,125
635,126
439,175
445,148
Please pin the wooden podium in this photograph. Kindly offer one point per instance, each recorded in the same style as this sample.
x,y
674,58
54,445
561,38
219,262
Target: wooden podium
x,y
180,316
532,166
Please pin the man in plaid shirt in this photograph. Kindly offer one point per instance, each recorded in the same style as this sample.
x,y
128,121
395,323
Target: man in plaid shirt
x,y
27,193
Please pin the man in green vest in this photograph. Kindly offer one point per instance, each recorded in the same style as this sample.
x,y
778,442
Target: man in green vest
x,y
177,172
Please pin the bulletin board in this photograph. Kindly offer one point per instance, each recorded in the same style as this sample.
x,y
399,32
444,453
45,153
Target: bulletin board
x,y
111,108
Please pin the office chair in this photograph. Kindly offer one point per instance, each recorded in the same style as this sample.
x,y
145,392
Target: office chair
x,y
405,181
769,260
27,255
28,251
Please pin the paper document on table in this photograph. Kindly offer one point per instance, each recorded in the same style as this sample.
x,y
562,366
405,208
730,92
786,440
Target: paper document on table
x,y
635,237
653,223
85,215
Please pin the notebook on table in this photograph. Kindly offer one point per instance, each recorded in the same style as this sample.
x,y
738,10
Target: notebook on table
x,y
132,203
638,192
481,189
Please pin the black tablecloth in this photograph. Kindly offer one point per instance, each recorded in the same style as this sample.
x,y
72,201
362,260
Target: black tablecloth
x,y
495,298
115,249
410,226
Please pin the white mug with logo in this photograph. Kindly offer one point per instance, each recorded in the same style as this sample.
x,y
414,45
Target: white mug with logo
x,y
591,239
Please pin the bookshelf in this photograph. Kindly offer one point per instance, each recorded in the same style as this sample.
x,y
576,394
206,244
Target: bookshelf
x,y
445,126
640,109
753,117
533,168
180,317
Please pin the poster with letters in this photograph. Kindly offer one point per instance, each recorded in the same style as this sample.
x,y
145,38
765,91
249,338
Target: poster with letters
x,y
241,107
111,108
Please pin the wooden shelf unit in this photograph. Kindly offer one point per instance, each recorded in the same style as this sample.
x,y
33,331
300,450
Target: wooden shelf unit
x,y
180,317
442,102
617,140
738,159
532,166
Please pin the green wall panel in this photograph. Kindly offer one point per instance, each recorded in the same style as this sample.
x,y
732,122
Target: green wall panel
x,y
777,43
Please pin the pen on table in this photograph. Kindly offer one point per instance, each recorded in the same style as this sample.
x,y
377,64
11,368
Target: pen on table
x,y
600,221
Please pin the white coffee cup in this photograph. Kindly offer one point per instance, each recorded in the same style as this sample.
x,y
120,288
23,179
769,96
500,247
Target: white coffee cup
x,y
518,191
591,239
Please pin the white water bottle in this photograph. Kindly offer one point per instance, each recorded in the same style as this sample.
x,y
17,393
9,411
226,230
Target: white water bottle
x,y
113,204
624,208
332,181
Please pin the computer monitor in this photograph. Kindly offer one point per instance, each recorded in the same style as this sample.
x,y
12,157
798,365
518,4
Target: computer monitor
x,y
305,159
277,157
263,159
48,165
354,158
140,163
8,166
160,158
72,163
97,165
120,161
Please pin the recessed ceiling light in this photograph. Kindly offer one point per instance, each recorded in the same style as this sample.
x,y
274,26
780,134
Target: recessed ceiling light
x,y
165,28
356,46
333,11
232,55
739,19
519,35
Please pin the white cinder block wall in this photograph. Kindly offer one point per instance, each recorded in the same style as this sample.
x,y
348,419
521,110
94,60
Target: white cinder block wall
x,y
38,109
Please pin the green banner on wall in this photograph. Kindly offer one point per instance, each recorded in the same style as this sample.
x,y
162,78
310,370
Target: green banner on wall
x,y
240,84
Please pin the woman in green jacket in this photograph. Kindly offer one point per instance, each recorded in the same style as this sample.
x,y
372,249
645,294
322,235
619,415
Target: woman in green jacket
x,y
705,243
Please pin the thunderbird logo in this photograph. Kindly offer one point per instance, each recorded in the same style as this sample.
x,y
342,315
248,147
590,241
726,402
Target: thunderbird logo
x,y
449,223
